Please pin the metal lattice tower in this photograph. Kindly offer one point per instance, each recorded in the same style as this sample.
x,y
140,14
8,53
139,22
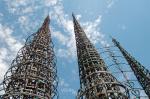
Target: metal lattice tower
x,y
95,81
141,73
32,74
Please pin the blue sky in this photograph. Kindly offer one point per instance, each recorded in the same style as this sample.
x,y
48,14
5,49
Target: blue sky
x,y
126,20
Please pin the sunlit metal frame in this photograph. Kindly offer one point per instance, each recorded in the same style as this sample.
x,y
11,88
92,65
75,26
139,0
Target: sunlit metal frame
x,y
33,73
141,73
95,81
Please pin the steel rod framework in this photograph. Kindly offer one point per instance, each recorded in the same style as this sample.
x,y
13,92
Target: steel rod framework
x,y
122,70
141,73
95,81
32,74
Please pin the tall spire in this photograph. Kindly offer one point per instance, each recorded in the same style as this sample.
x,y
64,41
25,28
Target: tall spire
x,y
32,74
141,73
95,81
78,28
46,23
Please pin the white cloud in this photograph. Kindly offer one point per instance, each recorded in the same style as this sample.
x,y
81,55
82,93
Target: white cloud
x,y
25,8
6,36
78,16
110,3
60,37
19,7
22,20
27,25
14,5
3,63
65,87
17,3
56,10
69,90
63,83
28,10
63,53
50,2
91,28
11,48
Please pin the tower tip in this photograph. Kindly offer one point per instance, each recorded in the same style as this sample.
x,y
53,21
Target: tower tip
x,y
74,18
46,20
112,38
115,41
73,14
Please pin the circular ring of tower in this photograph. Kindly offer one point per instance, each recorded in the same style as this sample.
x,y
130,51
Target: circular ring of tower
x,y
95,80
33,73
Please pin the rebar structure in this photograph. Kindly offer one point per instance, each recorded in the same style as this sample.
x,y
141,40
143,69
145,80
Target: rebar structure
x,y
95,80
119,67
141,73
121,72
33,73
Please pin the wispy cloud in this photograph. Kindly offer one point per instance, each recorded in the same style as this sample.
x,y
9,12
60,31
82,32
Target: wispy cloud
x,y
26,13
8,51
60,37
25,9
50,2
92,30
110,3
65,87
3,62
8,39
